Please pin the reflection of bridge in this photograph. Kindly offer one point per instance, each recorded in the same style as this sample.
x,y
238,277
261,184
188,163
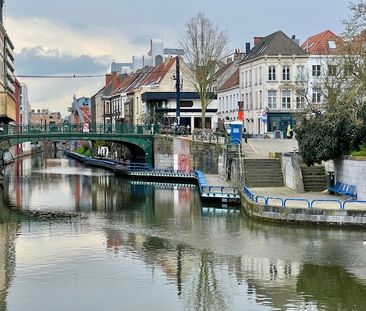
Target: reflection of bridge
x,y
139,139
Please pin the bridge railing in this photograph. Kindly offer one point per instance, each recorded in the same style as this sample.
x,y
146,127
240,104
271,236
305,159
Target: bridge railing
x,y
85,128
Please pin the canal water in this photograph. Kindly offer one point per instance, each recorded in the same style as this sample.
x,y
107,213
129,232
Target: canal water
x,y
80,238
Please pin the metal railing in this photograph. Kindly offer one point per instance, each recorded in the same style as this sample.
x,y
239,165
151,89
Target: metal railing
x,y
86,128
310,203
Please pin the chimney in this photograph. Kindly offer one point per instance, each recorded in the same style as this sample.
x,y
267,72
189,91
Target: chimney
x,y
1,10
247,48
297,41
256,40
237,55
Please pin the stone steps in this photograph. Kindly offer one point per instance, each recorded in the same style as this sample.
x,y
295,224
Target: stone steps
x,y
263,173
314,178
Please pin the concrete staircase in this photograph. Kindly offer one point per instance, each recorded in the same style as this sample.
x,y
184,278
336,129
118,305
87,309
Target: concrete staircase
x,y
314,178
263,173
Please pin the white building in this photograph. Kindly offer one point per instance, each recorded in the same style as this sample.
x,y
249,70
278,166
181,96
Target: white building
x,y
323,48
228,96
270,76
24,107
156,56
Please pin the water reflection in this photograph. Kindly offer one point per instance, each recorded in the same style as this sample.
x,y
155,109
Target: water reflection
x,y
152,241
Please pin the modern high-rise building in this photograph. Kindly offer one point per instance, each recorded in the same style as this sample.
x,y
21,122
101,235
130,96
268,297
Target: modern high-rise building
x,y
24,106
8,106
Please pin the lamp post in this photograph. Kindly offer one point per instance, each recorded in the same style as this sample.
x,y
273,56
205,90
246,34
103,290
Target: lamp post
x,y
177,86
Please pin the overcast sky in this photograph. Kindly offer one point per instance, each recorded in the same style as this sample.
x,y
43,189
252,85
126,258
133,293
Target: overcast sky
x,y
83,36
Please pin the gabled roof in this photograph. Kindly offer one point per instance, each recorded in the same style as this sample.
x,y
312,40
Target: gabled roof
x,y
276,43
322,43
145,77
232,82
156,74
223,68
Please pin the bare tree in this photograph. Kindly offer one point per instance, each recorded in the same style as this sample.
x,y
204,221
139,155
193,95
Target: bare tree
x,y
204,45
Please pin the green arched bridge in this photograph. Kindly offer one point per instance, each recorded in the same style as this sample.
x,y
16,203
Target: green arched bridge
x,y
139,138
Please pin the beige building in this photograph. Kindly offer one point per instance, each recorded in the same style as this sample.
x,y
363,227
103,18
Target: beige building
x,y
8,105
45,117
271,76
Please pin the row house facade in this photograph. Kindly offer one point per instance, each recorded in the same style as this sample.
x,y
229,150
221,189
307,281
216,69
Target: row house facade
x,y
228,96
324,50
271,79
148,96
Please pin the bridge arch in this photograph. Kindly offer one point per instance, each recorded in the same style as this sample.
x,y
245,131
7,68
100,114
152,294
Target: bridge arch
x,y
139,144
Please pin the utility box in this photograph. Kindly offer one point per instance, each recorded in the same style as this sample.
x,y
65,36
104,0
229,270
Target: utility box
x,y
236,132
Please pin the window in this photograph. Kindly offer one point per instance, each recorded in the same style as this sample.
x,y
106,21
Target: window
x,y
272,73
272,99
300,73
286,73
300,100
332,70
316,96
332,44
256,76
107,108
347,70
246,79
286,99
260,75
246,101
260,100
316,70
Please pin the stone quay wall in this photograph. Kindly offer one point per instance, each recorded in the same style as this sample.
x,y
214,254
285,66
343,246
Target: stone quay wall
x,y
302,215
352,171
180,153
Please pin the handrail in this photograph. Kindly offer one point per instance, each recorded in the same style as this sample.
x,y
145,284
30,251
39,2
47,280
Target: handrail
x,y
326,200
260,197
275,198
295,199
351,201
310,204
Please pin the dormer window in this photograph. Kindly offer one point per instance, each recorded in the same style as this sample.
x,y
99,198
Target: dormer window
x,y
332,45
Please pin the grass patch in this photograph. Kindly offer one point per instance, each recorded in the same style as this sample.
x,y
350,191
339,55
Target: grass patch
x,y
359,153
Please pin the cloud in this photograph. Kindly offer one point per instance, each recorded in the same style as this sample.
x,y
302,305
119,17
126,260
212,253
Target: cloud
x,y
95,42
56,94
43,61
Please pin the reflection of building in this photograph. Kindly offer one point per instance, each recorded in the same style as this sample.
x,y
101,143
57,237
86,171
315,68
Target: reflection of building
x,y
7,259
7,80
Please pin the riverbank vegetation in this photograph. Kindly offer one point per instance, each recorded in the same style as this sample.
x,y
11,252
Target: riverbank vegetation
x,y
338,127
